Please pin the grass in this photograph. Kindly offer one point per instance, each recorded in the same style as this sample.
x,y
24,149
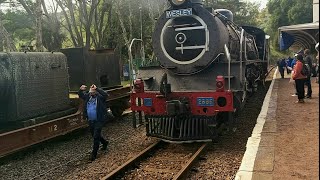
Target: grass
x,y
125,83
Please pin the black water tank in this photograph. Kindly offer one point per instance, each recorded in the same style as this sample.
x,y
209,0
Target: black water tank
x,y
32,84
100,67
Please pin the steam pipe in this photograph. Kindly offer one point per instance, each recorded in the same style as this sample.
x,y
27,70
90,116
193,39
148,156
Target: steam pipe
x,y
130,61
241,51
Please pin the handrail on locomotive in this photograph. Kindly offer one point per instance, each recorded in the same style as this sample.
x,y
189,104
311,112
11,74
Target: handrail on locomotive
x,y
227,53
131,61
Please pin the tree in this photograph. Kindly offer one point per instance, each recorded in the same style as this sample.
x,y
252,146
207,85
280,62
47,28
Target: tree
x,y
285,13
38,16
31,21
244,13
6,38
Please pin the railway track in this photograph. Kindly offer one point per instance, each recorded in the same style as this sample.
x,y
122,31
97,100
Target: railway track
x,y
171,161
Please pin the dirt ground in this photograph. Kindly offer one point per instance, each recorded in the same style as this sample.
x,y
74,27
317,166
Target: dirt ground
x,y
297,139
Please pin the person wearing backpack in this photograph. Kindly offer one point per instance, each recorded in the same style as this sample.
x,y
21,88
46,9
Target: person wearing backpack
x,y
308,61
299,78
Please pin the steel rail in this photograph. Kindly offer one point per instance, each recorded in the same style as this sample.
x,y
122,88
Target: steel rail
x,y
184,171
136,159
120,170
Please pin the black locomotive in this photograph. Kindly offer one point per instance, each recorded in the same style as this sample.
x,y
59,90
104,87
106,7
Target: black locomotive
x,y
208,66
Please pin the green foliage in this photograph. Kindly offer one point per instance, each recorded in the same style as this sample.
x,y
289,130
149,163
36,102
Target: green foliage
x,y
276,55
20,25
284,13
244,13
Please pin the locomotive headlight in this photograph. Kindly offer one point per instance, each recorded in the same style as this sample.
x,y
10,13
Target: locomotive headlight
x,y
177,2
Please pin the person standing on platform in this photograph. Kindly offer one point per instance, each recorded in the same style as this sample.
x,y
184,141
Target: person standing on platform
x,y
95,112
281,67
308,61
299,78
289,61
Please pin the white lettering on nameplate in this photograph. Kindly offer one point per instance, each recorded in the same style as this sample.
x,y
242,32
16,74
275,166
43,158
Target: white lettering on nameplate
x,y
179,12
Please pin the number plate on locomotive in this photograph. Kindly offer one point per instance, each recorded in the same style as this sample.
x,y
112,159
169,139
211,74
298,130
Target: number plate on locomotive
x,y
178,12
205,101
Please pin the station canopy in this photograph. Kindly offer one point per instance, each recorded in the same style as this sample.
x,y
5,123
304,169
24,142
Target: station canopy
x,y
300,36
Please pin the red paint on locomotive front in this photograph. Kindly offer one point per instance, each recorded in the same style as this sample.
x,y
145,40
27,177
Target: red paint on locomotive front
x,y
159,102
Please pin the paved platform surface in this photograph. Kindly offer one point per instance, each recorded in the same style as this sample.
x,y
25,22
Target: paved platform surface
x,y
285,141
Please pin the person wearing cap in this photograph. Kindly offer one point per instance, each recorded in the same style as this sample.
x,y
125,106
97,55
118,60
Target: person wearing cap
x,y
308,60
95,112
299,78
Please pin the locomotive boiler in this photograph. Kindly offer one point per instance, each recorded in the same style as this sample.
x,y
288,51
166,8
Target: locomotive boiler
x,y
187,97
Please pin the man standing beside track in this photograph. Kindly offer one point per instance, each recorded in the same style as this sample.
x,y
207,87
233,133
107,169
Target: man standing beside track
x,y
95,112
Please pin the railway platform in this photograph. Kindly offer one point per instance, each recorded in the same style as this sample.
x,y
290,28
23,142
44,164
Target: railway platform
x,y
285,141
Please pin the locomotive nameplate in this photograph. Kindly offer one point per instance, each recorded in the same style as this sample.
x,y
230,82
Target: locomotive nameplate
x,y
179,12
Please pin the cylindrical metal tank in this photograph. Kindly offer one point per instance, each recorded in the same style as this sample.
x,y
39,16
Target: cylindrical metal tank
x,y
32,84
100,67
188,44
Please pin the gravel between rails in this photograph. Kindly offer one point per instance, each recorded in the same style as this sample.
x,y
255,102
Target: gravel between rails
x,y
165,163
223,159
68,158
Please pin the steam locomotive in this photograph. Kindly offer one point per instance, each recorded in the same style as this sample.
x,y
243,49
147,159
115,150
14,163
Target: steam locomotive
x,y
208,67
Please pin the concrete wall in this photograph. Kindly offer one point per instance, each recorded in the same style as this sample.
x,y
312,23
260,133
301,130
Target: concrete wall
x,y
315,10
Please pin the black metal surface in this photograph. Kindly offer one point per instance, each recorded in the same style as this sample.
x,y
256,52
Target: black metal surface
x,y
225,12
100,67
218,36
203,81
185,128
178,41
32,84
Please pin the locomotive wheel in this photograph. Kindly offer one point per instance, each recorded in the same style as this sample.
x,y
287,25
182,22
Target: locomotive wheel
x,y
116,111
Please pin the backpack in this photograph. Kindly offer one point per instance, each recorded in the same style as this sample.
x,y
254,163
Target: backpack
x,y
306,70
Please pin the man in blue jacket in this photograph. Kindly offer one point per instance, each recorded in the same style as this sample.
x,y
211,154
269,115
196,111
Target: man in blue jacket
x,y
95,112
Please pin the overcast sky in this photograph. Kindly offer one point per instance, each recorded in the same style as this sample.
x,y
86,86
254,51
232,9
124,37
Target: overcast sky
x,y
263,3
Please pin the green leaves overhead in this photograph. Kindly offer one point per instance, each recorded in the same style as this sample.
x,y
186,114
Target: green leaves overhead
x,y
289,12
244,13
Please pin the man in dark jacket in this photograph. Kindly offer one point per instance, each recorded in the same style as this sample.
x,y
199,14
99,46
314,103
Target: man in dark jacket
x,y
308,60
281,66
95,112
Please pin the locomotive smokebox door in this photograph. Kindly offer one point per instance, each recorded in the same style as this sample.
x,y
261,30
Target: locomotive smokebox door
x,y
187,39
